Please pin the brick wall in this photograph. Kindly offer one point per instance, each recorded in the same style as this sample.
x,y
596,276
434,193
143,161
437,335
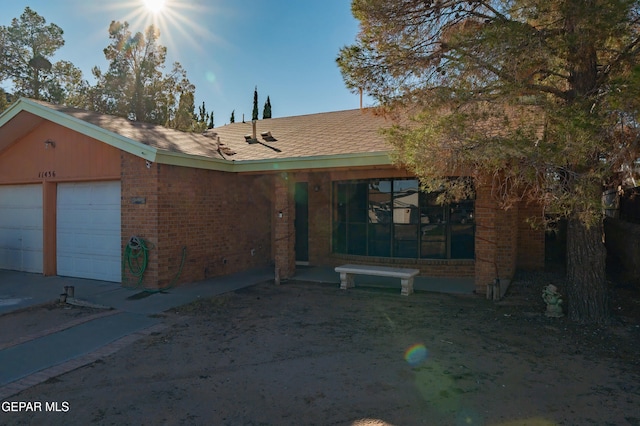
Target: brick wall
x,y
505,239
531,237
284,213
200,223
212,223
205,223
139,213
486,267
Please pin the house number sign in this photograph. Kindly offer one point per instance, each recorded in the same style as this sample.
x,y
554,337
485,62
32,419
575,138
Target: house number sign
x,y
47,174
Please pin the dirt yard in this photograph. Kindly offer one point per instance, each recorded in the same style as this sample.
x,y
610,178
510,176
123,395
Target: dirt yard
x,y
310,354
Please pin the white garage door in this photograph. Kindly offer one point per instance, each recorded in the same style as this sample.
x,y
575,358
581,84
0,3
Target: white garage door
x,y
21,228
88,230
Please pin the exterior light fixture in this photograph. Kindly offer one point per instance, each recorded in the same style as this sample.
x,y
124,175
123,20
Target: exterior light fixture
x,y
49,143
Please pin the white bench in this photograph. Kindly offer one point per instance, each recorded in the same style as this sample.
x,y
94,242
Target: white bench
x,y
406,275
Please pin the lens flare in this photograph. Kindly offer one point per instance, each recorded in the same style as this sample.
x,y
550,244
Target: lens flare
x,y
416,354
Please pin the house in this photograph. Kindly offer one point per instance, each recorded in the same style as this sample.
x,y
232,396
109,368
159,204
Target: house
x,y
317,189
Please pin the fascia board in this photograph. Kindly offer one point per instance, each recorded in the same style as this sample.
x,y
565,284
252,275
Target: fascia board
x,y
10,112
315,162
194,161
271,165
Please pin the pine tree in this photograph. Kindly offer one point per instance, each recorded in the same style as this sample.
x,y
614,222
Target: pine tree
x,y
27,47
233,117
254,115
202,110
537,98
266,112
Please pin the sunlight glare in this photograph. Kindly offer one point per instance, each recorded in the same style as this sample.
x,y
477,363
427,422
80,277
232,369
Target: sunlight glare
x,y
154,6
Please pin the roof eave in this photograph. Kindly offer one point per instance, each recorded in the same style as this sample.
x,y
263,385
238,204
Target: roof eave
x,y
161,156
368,159
91,130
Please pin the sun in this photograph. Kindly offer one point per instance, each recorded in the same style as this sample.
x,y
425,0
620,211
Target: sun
x,y
154,6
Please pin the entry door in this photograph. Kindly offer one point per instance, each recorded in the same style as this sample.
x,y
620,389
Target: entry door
x,y
21,228
302,221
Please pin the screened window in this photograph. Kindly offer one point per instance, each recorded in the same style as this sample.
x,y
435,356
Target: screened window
x,y
394,218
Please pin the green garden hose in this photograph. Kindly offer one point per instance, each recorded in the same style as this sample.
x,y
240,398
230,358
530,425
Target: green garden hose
x,y
136,259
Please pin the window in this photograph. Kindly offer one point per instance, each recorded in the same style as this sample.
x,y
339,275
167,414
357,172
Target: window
x,y
394,218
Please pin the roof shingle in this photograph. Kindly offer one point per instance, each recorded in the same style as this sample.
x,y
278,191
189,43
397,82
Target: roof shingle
x,y
323,134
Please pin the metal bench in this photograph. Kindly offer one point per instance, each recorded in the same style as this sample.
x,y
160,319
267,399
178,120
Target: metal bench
x,y
406,275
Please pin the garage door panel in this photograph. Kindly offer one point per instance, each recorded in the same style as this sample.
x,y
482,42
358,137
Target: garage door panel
x,y
21,239
90,267
91,244
88,230
10,259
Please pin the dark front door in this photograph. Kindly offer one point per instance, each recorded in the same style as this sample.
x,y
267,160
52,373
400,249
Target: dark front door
x,y
302,221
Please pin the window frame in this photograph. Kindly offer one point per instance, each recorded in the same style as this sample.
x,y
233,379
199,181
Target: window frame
x,y
459,236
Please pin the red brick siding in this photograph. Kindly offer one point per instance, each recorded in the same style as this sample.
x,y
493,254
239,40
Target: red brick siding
x,y
140,219
486,267
504,239
284,212
216,219
531,239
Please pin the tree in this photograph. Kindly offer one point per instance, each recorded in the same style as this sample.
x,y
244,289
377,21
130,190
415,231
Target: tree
x,y
4,100
202,113
135,87
254,115
205,119
27,48
266,112
232,119
536,98
184,118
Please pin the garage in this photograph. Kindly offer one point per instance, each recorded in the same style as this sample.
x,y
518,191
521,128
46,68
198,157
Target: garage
x,y
88,230
21,228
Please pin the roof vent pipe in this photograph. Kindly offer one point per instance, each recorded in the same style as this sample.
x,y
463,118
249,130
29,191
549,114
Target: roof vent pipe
x,y
253,125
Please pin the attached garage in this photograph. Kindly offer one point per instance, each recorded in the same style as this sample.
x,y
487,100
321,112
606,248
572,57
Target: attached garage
x,y
88,230
21,228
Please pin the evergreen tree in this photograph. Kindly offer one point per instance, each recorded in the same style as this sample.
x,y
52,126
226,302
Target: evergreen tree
x,y
254,115
266,112
211,123
202,113
184,119
537,98
233,117
134,85
27,47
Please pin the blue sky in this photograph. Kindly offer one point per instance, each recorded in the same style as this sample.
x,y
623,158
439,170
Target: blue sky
x,y
287,48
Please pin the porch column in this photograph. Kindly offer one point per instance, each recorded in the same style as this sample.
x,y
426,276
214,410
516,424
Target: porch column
x,y
496,242
284,212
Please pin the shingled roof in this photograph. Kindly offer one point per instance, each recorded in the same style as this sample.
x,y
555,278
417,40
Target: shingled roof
x,y
324,134
342,136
